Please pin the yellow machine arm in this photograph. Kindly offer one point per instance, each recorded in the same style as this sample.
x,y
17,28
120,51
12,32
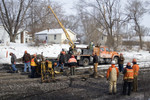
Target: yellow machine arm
x,y
66,33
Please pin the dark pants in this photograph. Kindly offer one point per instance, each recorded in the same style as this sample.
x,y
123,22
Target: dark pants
x,y
33,70
135,84
72,70
120,67
72,66
125,86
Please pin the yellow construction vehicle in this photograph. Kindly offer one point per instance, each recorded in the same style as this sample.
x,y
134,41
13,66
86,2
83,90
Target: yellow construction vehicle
x,y
72,45
47,72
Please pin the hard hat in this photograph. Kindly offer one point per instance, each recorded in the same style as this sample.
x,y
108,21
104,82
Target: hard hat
x,y
55,64
129,64
25,51
113,62
134,60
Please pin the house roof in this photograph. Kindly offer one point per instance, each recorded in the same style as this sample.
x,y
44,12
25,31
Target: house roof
x,y
53,31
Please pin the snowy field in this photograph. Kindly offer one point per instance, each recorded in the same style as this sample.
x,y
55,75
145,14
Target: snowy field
x,y
53,51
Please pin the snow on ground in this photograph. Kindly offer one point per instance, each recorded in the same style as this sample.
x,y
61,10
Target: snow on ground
x,y
18,50
53,51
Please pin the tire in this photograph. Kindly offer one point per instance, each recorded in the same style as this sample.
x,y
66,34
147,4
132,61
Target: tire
x,y
116,59
85,62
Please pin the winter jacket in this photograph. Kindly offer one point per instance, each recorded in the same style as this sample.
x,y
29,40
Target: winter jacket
x,y
91,46
13,58
112,73
72,62
135,69
70,51
26,58
62,59
128,74
95,59
121,60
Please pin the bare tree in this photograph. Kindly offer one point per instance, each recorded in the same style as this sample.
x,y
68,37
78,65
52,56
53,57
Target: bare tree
x,y
107,16
40,18
136,10
12,15
87,26
71,22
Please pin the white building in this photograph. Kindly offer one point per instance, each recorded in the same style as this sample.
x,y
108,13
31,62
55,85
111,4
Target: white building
x,y
4,37
55,36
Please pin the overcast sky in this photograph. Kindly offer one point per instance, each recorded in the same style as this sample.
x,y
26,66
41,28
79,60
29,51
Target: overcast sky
x,y
68,6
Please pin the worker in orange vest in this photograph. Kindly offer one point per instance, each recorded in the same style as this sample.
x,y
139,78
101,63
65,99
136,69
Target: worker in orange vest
x,y
128,78
72,62
135,71
112,75
33,65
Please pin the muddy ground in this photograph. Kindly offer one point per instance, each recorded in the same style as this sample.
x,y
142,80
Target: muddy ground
x,y
18,86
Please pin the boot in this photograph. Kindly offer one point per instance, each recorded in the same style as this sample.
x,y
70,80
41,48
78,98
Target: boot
x,y
95,75
61,70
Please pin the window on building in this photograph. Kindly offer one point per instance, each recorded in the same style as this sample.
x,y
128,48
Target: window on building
x,y
54,37
26,40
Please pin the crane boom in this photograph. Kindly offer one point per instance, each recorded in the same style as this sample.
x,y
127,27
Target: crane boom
x,y
66,33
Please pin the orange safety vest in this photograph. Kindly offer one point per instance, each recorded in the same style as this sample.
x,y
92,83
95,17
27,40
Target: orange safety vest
x,y
33,62
72,60
135,69
128,74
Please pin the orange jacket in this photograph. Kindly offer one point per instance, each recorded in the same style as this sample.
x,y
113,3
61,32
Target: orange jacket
x,y
33,62
135,69
110,69
128,74
72,60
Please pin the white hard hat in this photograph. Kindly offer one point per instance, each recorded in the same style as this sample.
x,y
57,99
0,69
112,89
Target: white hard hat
x,y
113,62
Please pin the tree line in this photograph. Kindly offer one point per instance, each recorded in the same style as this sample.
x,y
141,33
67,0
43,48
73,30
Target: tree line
x,y
93,17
